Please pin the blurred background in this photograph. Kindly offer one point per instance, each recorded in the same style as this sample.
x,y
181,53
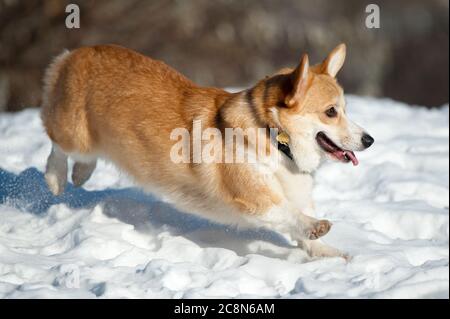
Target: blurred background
x,y
234,43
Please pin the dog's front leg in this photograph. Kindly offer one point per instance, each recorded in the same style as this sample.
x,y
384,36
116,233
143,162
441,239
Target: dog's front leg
x,y
316,248
297,189
287,220
303,229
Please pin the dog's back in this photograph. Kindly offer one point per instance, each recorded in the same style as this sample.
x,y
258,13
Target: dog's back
x,y
108,101
86,86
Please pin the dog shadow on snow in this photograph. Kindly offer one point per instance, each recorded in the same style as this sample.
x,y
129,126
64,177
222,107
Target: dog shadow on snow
x,y
28,192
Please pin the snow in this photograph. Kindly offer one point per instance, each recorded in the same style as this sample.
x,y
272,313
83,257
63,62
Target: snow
x,y
109,240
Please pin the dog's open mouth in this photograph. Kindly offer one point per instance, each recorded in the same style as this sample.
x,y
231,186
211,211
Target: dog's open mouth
x,y
335,151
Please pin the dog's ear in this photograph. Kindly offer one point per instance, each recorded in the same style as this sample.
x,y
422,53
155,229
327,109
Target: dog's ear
x,y
300,79
335,60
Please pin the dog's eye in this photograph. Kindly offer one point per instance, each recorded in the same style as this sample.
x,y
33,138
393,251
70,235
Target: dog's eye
x,y
331,112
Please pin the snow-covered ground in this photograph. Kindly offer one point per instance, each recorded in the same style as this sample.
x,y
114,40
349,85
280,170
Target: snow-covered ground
x,y
109,240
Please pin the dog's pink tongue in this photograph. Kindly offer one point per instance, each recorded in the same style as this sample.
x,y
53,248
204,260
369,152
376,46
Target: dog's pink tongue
x,y
341,155
352,157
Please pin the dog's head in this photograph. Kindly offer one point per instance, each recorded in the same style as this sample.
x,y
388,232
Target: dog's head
x,y
310,109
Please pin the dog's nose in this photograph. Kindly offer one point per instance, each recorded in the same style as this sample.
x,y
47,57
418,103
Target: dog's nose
x,y
367,140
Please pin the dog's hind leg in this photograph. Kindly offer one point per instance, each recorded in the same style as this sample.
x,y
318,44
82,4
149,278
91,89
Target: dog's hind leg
x,y
82,171
56,170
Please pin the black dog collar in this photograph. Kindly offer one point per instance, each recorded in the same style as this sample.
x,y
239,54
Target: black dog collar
x,y
284,148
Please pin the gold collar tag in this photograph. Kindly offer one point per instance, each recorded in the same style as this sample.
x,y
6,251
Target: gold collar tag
x,y
283,138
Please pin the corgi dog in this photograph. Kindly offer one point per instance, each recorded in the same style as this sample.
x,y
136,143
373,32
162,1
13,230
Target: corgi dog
x,y
113,103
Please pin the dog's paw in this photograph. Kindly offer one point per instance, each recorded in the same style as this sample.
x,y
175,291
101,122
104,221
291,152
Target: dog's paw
x,y
55,184
319,229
